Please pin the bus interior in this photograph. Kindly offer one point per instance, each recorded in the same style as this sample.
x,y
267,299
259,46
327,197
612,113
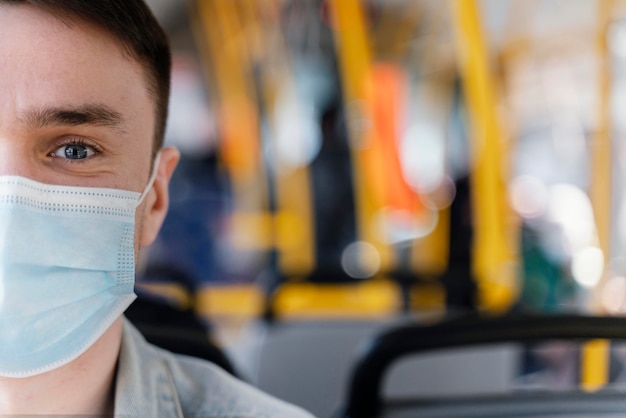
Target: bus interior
x,y
398,208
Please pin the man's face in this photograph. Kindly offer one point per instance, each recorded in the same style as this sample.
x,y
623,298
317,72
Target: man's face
x,y
74,110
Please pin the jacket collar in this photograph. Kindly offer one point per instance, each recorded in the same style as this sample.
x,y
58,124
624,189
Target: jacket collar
x,y
144,385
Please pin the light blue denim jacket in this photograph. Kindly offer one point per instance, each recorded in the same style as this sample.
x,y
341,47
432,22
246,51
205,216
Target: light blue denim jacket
x,y
155,383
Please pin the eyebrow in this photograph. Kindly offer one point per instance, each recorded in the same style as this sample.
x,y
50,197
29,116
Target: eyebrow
x,y
88,114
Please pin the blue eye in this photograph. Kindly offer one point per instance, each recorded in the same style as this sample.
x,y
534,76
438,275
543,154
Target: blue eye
x,y
74,151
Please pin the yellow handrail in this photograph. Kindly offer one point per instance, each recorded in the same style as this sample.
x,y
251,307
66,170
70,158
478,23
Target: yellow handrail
x,y
600,191
219,28
594,360
355,61
494,248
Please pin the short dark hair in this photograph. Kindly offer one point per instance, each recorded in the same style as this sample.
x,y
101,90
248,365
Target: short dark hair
x,y
134,25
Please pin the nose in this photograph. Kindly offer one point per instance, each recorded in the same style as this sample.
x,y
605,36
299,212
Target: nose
x,y
16,157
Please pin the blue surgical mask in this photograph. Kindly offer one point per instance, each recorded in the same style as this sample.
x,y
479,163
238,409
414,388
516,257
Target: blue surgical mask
x,y
67,270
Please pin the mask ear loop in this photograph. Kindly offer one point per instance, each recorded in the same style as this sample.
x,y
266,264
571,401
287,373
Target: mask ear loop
x,y
155,169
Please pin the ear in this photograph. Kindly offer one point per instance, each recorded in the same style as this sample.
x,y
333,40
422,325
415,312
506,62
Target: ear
x,y
157,200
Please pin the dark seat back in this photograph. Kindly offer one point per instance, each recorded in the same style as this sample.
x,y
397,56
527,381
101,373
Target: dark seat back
x,y
365,387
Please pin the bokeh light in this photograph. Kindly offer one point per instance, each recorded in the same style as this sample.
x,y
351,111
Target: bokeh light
x,y
529,196
360,260
588,266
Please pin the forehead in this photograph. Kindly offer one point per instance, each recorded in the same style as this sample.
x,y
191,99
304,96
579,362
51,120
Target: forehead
x,y
53,30
48,58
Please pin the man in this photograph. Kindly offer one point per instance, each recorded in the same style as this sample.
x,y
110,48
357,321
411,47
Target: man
x,y
84,86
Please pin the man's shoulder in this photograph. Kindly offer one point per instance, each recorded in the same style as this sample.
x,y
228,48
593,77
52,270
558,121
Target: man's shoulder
x,y
206,389
200,387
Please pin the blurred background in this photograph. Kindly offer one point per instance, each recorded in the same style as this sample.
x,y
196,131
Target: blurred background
x,y
348,163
